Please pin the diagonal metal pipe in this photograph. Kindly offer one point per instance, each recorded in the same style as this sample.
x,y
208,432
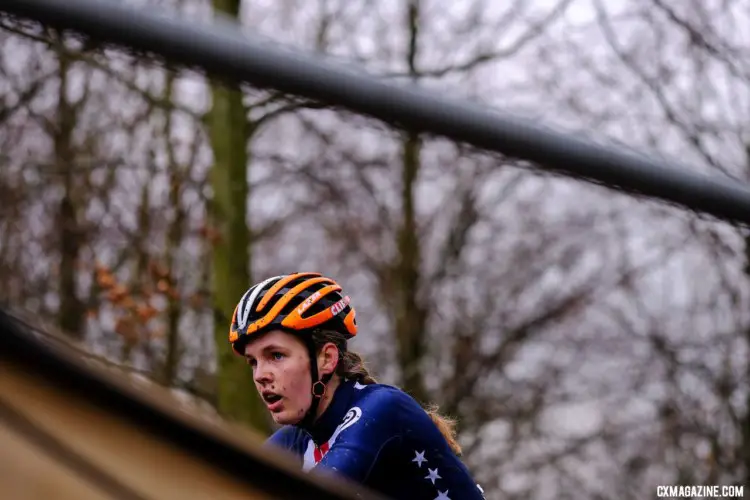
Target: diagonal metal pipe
x,y
222,49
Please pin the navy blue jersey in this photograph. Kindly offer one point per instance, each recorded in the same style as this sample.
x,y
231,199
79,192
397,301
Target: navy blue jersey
x,y
379,436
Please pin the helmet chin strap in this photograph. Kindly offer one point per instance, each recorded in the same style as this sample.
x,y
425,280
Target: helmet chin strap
x,y
318,386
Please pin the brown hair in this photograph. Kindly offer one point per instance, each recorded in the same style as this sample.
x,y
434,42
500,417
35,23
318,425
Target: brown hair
x,y
352,366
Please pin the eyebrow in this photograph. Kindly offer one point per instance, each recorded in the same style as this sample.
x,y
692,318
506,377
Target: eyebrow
x,y
271,347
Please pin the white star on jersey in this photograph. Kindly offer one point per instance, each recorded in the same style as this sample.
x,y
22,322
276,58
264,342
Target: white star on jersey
x,y
419,458
433,474
442,495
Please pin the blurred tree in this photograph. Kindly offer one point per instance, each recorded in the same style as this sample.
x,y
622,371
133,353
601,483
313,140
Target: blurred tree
x,y
672,78
401,289
230,131
71,313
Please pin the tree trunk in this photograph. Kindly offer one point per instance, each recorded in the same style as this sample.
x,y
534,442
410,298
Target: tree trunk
x,y
71,313
237,398
410,314
174,238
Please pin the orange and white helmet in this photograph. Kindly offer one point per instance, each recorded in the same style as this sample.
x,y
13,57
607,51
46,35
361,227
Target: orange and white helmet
x,y
298,303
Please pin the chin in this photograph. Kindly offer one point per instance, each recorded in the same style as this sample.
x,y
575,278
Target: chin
x,y
285,418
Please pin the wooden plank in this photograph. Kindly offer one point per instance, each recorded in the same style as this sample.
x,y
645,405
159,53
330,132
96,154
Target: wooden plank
x,y
121,438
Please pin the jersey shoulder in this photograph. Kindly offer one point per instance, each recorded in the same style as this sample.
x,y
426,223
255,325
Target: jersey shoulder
x,y
392,404
422,458
385,399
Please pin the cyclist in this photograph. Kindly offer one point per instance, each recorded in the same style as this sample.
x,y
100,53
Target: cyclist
x,y
293,330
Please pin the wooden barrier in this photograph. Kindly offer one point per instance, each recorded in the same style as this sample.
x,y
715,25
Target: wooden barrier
x,y
72,430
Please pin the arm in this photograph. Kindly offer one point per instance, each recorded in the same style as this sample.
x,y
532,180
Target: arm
x,y
287,440
282,438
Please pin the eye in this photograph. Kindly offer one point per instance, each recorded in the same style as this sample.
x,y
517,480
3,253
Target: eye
x,y
277,356
251,362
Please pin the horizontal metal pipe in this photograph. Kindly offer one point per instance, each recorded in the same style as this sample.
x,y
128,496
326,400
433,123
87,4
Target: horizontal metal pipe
x,y
222,49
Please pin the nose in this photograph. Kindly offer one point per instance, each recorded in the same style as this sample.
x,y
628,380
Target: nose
x,y
262,373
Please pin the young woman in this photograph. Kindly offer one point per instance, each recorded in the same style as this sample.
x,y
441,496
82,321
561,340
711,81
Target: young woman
x,y
293,331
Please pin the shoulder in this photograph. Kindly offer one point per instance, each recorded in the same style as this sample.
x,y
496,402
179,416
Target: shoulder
x,y
392,406
373,417
387,402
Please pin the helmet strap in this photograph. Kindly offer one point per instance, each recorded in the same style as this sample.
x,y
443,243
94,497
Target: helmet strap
x,y
319,385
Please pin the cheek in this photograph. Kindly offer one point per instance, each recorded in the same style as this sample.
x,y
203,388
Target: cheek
x,y
296,382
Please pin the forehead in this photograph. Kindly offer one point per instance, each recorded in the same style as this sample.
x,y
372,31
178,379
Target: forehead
x,y
274,338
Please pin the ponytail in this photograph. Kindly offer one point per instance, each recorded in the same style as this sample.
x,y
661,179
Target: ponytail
x,y
446,426
351,366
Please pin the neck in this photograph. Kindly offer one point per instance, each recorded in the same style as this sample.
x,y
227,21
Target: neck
x,y
325,401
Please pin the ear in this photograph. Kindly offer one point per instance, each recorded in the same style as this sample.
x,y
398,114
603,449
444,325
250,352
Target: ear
x,y
328,358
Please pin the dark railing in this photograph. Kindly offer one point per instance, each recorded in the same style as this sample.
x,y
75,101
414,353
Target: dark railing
x,y
223,50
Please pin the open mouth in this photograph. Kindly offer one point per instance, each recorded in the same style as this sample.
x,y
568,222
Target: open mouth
x,y
271,398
